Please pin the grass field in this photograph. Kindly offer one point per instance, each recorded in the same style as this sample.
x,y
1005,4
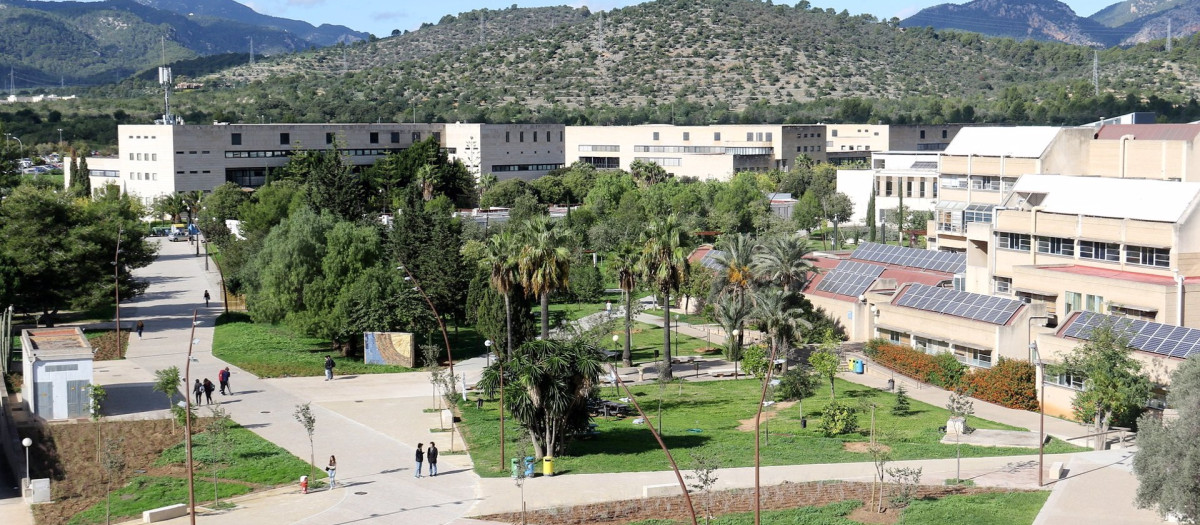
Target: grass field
x,y
1008,508
277,351
704,417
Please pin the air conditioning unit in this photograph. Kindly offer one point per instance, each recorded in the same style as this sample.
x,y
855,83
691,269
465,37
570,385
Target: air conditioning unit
x,y
960,282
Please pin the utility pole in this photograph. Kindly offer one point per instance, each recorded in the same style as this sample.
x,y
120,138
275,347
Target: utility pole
x,y
252,51
1168,35
1096,71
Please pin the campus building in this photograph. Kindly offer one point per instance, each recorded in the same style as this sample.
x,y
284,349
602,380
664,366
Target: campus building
x,y
156,160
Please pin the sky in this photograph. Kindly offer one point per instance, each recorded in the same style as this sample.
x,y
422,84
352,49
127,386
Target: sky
x,y
381,17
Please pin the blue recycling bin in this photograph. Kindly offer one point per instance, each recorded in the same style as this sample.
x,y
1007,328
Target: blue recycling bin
x,y
529,466
858,366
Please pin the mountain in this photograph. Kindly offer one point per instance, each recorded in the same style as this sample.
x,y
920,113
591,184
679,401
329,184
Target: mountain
x,y
325,35
1122,13
45,43
1033,19
1184,16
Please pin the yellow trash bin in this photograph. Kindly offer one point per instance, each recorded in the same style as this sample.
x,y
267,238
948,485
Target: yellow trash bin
x,y
547,466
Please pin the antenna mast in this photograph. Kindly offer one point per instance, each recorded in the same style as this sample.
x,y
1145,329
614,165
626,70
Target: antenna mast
x,y
1168,35
252,51
1096,71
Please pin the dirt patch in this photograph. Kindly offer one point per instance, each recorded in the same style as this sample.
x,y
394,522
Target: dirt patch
x,y
747,425
871,517
105,344
862,447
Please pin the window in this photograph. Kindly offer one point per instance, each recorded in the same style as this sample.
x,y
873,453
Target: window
x,y
235,139
1056,246
887,187
395,137
974,357
908,188
1132,312
943,133
329,138
758,136
139,156
535,134
416,137
985,183
890,335
153,157
507,136
922,133
716,136
374,137
603,163
61,368
687,136
978,213
1002,285
749,136
600,147
1012,241
662,161
285,138
952,181
768,136
1093,303
521,136
1072,381
1147,256
1073,301
922,186
930,346
833,133
1100,251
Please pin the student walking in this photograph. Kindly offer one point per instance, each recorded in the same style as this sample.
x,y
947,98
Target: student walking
x,y
206,298
208,390
432,454
420,458
328,368
197,391
223,378
331,470
140,326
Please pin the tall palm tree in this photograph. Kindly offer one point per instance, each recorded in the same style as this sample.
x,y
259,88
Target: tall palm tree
x,y
664,263
501,256
732,313
625,262
736,257
780,316
782,260
544,263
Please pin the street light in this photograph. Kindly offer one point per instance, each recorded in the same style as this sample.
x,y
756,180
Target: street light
x,y
737,334
615,339
60,138
676,334
187,421
1041,373
117,287
488,344
26,443
18,139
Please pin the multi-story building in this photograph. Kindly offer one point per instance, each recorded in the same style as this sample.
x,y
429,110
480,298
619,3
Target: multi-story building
x,y
157,160
893,174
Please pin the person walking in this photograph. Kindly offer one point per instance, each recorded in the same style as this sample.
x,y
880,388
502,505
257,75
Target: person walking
x,y
140,326
223,378
208,390
206,298
328,368
197,391
420,458
331,470
432,454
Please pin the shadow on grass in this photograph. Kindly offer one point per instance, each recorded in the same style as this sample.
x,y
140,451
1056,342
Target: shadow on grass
x,y
632,441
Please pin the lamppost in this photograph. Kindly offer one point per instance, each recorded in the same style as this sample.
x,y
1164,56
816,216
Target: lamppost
x,y
417,288
187,421
1041,378
60,138
615,339
117,287
488,344
18,139
26,443
676,334
737,334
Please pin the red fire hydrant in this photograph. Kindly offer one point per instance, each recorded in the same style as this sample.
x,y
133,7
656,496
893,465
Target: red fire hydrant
x,y
304,484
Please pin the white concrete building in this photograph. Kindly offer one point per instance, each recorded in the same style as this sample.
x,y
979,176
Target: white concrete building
x,y
57,367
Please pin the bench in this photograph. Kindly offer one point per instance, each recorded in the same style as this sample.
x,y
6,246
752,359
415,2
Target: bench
x,y
722,373
1056,470
654,491
178,510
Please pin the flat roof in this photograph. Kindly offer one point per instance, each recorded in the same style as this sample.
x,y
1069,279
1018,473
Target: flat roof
x,y
1138,199
1021,142
1149,131
55,343
1092,271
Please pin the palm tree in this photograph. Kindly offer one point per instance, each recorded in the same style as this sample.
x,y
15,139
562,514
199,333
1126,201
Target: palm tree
x,y
500,255
544,263
547,390
782,260
664,262
780,316
736,257
625,263
732,313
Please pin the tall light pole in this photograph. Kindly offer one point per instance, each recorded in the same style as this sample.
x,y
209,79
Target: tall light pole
x,y
1041,378
488,345
187,421
676,334
60,139
26,443
18,139
117,287
417,288
736,333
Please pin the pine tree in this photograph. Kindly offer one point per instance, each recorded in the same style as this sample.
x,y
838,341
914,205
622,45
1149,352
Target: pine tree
x,y
84,188
871,217
901,408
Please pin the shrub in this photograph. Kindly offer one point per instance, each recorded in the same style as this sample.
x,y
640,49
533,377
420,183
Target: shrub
x,y
838,419
902,406
1008,383
941,370
796,383
754,361
949,371
871,348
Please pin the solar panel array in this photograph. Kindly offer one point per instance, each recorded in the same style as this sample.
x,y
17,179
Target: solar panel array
x,y
986,308
1163,339
850,278
949,262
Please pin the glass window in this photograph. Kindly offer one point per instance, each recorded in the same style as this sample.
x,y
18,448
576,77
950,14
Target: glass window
x,y
235,139
1003,285
1012,241
1094,303
1073,301
1056,246
1100,251
507,136
395,137
687,136
716,136
329,138
1147,256
285,138
374,137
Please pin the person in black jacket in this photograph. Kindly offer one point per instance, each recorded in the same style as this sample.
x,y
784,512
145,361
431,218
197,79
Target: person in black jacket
x,y
432,454
328,368
197,391
420,458
208,390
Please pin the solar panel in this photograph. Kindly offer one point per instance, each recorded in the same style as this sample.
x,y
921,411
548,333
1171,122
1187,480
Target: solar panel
x,y
912,257
850,278
986,308
1155,338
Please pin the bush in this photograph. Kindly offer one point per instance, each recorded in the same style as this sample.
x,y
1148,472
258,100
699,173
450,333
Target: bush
x,y
797,383
871,348
942,370
1008,383
949,373
838,419
902,406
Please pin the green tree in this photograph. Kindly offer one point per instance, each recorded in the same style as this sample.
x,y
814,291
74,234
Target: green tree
x,y
902,406
779,315
504,275
303,415
734,259
166,381
544,263
739,204
808,213
731,313
664,262
871,216
825,364
221,205
625,263
1116,388
332,185
548,385
1166,463
837,208
647,173
586,284
220,442
784,260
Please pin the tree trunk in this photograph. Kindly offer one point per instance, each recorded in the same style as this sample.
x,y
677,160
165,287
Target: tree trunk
x,y
780,343
665,373
538,450
627,354
507,326
545,315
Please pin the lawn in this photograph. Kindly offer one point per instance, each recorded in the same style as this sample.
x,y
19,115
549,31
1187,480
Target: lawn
x,y
267,350
703,417
695,319
648,339
1002,508
574,311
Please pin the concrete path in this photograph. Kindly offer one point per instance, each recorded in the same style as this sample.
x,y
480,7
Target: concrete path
x,y
1098,489
373,439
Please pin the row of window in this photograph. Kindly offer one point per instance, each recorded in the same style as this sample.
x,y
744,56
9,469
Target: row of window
x,y
143,176
103,173
807,149
143,156
267,154
285,139
681,149
603,163
193,152
1095,250
908,187
977,182
944,134
500,168
521,136
609,148
662,161
965,354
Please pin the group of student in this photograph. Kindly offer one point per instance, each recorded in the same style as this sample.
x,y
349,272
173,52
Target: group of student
x,y
206,387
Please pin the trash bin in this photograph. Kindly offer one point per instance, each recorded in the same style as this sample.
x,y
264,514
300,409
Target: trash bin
x,y
529,466
858,366
850,363
514,464
547,466
863,365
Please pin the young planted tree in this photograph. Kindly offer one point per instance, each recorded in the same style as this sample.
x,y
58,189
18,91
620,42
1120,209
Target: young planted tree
x,y
703,478
305,417
113,463
1115,388
97,394
220,443
167,382
901,407
825,363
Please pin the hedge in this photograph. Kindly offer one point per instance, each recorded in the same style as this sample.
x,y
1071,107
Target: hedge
x,y
1007,383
